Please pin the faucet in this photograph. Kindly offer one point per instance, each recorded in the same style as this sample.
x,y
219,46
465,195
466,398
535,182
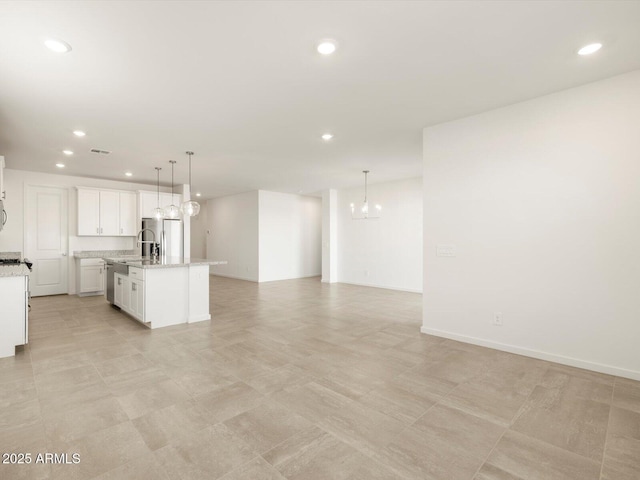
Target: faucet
x,y
154,244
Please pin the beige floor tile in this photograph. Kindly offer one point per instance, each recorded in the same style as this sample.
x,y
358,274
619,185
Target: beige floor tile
x,y
361,427
151,397
171,424
453,429
145,467
278,360
411,455
121,365
520,457
564,420
622,452
256,469
283,378
314,454
100,452
228,401
207,454
626,394
72,424
78,377
266,426
312,401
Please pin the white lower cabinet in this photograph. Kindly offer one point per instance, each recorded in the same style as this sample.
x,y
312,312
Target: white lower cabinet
x,y
137,299
90,276
129,295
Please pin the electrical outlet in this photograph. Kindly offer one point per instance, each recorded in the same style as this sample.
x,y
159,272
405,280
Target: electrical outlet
x,y
497,319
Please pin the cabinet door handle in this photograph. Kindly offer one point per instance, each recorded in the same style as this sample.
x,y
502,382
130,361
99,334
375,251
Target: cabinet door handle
x,y
119,281
100,229
121,231
100,271
97,229
133,287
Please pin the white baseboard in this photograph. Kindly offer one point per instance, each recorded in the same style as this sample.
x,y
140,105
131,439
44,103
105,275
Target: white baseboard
x,y
551,357
386,287
236,277
199,318
290,278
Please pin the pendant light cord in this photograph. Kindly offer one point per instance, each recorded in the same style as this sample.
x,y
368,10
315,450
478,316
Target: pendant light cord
x,y
365,185
158,184
189,153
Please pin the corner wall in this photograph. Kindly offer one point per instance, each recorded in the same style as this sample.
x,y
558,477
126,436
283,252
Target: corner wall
x,y
232,222
290,236
386,252
541,202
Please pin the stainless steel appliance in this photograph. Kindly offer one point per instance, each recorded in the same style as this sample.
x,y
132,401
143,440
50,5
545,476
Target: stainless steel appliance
x,y
112,269
168,233
3,215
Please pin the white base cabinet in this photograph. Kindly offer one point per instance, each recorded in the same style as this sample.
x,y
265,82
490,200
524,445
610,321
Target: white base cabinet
x,y
90,276
160,297
14,317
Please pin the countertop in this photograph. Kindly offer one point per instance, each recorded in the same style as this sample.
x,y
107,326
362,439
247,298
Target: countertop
x,y
105,253
165,262
13,270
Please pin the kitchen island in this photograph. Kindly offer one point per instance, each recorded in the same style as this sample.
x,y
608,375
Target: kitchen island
x,y
164,291
14,299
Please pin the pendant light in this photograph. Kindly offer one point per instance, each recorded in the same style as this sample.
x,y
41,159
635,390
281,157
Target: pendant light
x,y
158,213
172,211
361,210
190,208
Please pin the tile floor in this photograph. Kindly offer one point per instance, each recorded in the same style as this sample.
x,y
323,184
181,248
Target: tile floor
x,y
301,380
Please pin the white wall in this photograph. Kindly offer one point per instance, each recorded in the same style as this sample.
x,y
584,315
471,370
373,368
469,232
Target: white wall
x,y
232,222
386,252
12,236
330,236
542,203
199,226
290,236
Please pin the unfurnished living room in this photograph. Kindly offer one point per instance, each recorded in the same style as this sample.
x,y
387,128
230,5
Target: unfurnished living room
x,y
319,240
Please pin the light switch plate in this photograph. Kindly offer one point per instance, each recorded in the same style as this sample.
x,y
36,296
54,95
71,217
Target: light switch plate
x,y
445,250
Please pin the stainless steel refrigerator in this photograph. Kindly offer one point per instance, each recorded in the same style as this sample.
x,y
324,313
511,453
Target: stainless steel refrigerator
x,y
168,235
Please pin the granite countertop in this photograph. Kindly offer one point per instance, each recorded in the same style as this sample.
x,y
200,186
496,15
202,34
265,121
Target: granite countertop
x,y
106,253
5,255
13,270
166,262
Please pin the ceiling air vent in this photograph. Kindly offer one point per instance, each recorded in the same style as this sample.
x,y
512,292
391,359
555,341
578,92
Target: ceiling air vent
x,y
97,150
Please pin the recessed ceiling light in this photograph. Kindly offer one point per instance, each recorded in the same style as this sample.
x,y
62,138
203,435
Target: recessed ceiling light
x,y
327,47
128,174
67,152
327,136
60,165
198,194
589,49
57,46
79,133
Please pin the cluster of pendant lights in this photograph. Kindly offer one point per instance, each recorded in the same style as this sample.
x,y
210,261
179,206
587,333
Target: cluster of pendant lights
x,y
190,208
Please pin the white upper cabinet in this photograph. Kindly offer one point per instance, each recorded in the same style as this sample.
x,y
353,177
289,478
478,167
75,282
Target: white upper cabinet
x,y
128,222
107,213
88,212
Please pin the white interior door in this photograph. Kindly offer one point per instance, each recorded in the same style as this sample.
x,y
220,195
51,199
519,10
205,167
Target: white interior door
x,y
46,239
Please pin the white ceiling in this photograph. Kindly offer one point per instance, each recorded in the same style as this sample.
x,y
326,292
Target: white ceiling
x,y
241,84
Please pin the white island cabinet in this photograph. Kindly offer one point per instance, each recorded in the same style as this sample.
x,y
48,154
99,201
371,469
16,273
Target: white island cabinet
x,y
14,316
169,291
